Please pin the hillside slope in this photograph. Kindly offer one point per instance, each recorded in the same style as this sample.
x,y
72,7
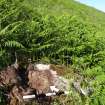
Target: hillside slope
x,y
59,7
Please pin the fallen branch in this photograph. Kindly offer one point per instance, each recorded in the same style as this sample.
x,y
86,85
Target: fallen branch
x,y
47,94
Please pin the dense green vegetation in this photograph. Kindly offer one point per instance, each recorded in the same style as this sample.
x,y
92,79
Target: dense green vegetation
x,y
68,7
59,32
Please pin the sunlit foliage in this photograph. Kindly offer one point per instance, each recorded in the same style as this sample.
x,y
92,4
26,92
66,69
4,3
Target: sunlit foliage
x,y
59,39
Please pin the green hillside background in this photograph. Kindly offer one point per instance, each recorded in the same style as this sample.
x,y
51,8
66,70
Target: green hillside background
x,y
68,7
61,32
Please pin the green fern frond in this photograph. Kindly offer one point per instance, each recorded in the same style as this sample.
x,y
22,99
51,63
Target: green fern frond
x,y
13,44
65,48
43,47
10,28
